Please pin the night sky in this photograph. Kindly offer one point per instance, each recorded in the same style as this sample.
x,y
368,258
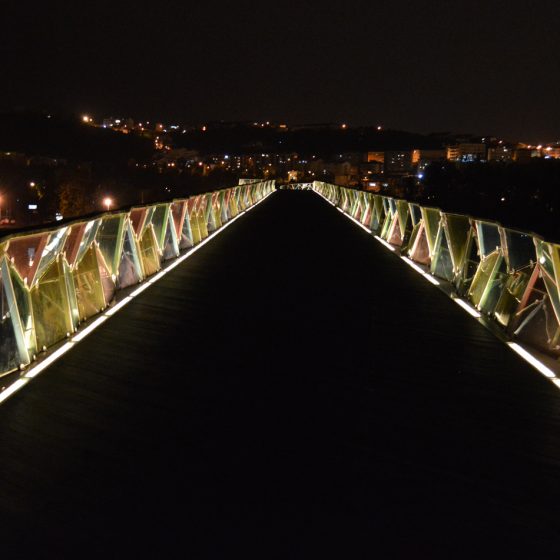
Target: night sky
x,y
477,66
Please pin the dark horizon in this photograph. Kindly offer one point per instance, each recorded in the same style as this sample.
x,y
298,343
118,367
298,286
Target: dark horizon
x,y
462,66
98,117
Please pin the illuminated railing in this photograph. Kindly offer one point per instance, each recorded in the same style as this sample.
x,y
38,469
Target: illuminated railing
x,y
510,276
54,279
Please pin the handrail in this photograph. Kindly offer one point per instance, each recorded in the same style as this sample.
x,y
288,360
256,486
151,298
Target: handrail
x,y
510,276
54,278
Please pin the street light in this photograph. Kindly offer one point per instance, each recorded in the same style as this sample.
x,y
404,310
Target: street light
x,y
107,202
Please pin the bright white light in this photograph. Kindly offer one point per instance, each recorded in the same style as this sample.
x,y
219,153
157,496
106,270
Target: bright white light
x,y
354,220
35,371
383,242
90,328
426,275
139,290
13,388
118,306
159,275
431,279
470,310
412,264
537,364
325,198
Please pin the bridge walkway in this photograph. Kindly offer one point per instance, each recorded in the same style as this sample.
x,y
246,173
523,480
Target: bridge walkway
x,y
293,387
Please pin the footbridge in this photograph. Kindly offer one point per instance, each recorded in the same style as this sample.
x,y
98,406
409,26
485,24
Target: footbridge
x,y
287,372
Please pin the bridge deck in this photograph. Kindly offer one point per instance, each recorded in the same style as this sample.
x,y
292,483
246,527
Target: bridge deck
x,y
292,386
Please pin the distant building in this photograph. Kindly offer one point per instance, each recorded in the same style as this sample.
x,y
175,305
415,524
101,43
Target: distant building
x,y
466,152
422,158
552,152
398,162
523,155
500,153
372,167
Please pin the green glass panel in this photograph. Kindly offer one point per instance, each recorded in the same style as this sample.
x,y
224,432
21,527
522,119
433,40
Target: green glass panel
x,y
415,213
9,354
520,250
469,268
442,265
432,218
488,237
402,212
482,277
187,235
386,205
457,228
511,297
159,221
108,240
552,290
378,214
149,253
23,302
495,286
413,237
387,223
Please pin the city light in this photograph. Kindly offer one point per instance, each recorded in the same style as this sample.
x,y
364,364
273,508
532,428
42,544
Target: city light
x,y
86,119
107,202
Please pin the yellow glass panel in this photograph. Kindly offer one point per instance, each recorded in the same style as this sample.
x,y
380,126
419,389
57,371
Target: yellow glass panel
x,y
149,252
87,282
51,311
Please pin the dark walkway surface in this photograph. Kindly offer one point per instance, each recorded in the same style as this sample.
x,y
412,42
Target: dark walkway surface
x,y
291,389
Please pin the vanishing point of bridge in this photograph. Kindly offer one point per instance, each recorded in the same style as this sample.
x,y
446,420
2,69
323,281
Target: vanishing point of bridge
x,y
291,388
